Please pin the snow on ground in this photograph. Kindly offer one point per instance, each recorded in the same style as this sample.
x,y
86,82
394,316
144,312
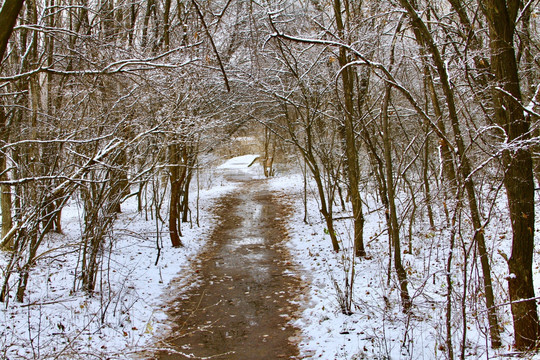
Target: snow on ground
x,y
242,167
242,163
127,310
378,329
126,313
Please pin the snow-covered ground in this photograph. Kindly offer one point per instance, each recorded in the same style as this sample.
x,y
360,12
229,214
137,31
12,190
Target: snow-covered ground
x,y
126,313
122,318
240,163
378,329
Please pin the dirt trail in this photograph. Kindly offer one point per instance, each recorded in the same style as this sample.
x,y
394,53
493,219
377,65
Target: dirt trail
x,y
241,306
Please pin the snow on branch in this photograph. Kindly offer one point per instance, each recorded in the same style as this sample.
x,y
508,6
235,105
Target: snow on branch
x,y
120,66
527,109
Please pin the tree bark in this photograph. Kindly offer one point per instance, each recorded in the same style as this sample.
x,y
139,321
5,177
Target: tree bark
x,y
394,230
150,9
351,153
166,25
425,39
518,179
5,197
177,179
8,17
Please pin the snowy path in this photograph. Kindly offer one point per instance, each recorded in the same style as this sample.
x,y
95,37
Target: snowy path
x,y
242,304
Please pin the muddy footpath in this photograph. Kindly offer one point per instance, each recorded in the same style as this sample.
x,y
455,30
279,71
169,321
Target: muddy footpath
x,y
246,289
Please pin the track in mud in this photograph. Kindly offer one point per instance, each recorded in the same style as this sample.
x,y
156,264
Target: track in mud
x,y
241,305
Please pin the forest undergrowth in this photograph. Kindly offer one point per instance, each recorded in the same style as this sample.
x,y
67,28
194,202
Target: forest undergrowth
x,y
353,307
58,320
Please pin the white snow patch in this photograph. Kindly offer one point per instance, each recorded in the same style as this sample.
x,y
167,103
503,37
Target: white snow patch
x,y
239,162
126,312
377,328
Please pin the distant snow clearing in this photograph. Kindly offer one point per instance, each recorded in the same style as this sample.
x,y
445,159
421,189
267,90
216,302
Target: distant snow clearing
x,y
239,162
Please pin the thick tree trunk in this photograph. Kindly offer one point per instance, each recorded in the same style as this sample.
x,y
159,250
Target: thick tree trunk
x,y
8,17
518,179
520,191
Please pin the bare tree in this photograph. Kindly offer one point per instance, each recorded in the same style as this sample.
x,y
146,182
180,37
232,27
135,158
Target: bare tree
x,y
518,178
349,134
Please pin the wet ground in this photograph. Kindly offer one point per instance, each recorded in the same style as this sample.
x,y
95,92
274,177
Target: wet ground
x,y
241,305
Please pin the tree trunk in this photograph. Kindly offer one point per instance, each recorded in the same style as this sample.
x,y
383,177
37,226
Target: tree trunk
x,y
166,25
119,181
424,38
8,17
177,179
150,8
518,179
310,161
351,153
326,206
394,231
5,196
5,203
191,158
268,159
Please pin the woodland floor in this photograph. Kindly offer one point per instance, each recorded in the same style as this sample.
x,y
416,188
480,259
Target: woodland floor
x,y
243,301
